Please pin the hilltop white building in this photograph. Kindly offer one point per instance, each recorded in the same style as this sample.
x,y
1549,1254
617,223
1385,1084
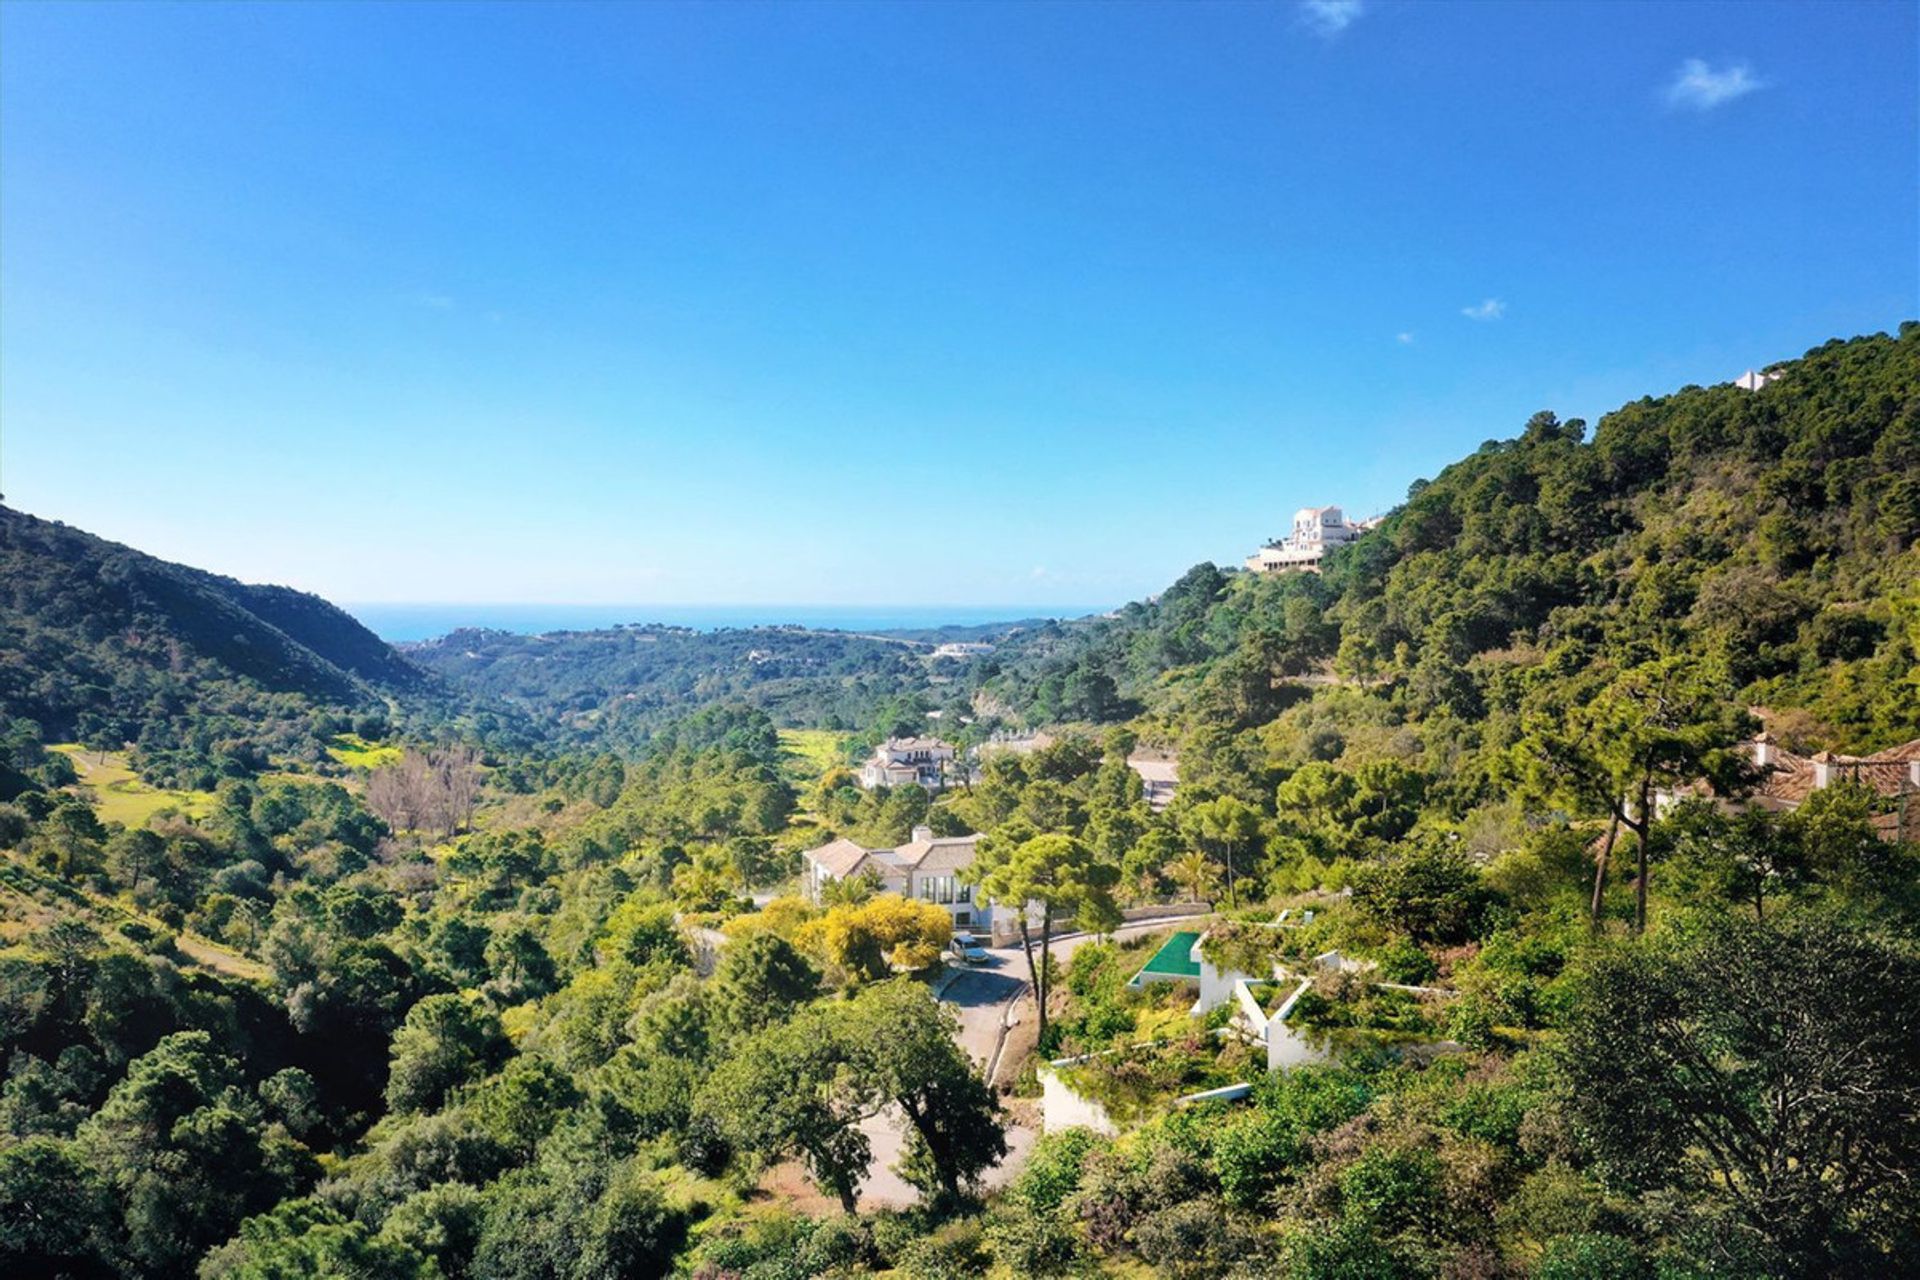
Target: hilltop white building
x,y
1316,531
1753,381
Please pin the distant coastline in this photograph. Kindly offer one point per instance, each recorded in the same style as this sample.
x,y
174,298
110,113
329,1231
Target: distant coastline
x,y
397,623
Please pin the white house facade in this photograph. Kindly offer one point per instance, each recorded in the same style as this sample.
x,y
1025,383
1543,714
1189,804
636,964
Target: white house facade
x,y
900,762
927,867
1316,531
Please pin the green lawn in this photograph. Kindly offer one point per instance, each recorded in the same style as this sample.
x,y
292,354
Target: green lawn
x,y
119,794
811,752
356,752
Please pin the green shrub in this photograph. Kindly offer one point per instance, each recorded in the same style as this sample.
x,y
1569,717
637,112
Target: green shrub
x,y
955,1252
1470,1021
1393,1191
1404,960
1591,1257
1343,1251
1033,1244
1053,1169
1554,1201
1252,1152
1185,1239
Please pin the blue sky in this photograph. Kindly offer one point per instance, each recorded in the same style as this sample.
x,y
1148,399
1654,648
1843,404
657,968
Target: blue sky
x,y
992,303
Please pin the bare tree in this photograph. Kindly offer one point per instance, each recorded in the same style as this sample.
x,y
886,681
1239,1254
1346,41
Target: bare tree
x,y
456,772
390,796
434,790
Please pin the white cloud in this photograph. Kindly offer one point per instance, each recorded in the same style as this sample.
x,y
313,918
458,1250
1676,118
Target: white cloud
x,y
1404,339
1489,309
432,301
1703,87
1331,17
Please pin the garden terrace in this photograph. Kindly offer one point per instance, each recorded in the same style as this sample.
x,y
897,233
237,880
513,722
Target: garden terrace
x,y
1133,1082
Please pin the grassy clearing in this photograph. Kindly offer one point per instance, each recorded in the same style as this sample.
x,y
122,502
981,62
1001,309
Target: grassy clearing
x,y
118,793
811,752
356,752
35,898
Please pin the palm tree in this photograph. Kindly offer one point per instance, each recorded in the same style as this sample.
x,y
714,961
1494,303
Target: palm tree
x,y
1226,824
1195,873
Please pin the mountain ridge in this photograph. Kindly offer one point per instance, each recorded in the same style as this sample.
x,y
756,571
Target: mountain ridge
x,y
103,642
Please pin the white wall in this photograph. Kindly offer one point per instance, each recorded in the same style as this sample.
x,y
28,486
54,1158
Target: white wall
x,y
1062,1108
1216,986
1287,1045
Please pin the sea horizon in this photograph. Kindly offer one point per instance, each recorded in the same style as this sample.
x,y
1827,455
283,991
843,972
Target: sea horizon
x,y
399,623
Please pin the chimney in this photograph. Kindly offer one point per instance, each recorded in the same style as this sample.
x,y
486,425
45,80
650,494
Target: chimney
x,y
1763,750
1913,772
921,835
1823,770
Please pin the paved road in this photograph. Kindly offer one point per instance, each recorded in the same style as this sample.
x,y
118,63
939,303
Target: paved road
x,y
985,997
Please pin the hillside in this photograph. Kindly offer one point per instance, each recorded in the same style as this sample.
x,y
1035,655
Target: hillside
x,y
1767,538
520,1013
617,687
103,643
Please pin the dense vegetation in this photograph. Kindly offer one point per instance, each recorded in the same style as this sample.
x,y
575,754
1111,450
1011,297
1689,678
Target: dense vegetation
x,y
201,676
616,688
1765,538
508,983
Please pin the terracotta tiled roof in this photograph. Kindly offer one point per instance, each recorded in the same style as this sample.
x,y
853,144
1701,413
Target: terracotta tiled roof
x,y
915,744
842,858
838,858
1790,779
943,853
1787,786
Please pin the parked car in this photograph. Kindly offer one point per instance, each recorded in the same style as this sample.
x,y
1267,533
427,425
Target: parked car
x,y
967,949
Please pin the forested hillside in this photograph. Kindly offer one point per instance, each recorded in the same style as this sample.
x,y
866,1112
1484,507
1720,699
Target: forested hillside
x,y
615,688
1765,539
198,675
467,1002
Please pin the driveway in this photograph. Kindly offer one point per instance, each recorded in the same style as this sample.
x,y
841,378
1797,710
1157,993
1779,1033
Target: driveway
x,y
987,997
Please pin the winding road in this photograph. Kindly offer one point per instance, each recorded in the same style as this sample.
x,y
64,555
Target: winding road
x,y
989,999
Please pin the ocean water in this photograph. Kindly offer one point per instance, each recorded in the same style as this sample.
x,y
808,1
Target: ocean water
x,y
398,622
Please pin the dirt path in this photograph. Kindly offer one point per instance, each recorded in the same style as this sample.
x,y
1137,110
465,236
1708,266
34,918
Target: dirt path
x,y
104,911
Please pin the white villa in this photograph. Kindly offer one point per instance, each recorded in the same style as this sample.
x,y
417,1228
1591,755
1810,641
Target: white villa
x,y
1753,380
1316,531
1262,1007
898,762
927,867
1263,1002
